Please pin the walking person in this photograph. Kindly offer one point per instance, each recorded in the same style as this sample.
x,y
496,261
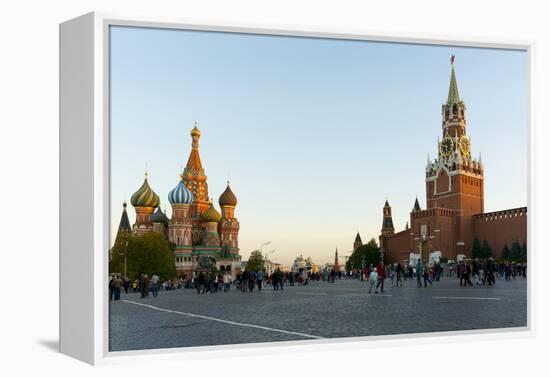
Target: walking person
x,y
398,273
427,276
244,281
280,278
462,271
145,286
373,281
117,284
274,281
226,282
154,284
111,292
381,270
419,274
260,279
200,283
251,281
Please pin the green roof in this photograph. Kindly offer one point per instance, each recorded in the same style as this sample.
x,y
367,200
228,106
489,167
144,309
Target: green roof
x,y
453,89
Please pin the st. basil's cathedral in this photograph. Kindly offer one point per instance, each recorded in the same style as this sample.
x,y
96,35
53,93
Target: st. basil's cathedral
x,y
200,234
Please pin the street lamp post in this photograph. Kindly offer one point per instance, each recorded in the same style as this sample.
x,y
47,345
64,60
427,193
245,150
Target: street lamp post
x,y
266,260
262,249
125,249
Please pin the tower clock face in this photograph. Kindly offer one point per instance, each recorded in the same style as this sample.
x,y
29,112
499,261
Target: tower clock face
x,y
465,146
446,146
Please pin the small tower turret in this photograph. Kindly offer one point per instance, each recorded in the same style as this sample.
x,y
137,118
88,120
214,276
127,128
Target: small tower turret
x,y
358,242
387,222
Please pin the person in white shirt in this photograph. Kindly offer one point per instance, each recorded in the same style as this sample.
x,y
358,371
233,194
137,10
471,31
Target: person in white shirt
x,y
226,282
373,280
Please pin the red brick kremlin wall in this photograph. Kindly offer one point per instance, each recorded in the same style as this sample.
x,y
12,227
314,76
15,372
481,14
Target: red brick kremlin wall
x,y
501,227
396,247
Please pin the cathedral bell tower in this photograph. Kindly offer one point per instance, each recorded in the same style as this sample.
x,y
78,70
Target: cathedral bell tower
x,y
228,227
455,179
196,181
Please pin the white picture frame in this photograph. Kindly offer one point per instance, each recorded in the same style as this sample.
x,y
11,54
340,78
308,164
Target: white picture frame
x,y
84,183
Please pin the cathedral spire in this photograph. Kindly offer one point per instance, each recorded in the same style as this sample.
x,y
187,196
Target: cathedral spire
x,y
453,87
124,225
194,164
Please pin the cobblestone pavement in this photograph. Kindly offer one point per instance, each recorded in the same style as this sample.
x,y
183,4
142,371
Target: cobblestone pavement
x,y
182,318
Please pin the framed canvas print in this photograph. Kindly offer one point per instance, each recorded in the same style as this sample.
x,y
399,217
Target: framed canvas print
x,y
225,186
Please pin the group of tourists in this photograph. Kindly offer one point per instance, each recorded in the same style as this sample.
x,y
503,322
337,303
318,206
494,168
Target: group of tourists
x,y
468,273
142,284
376,276
486,272
211,282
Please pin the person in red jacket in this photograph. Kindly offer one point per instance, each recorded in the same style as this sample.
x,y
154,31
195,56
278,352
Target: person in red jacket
x,y
381,270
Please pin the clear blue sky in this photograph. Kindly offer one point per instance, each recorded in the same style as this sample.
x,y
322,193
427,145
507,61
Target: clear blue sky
x,y
314,134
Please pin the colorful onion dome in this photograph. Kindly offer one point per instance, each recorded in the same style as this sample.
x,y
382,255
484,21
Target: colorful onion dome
x,y
180,194
145,196
228,198
159,217
211,215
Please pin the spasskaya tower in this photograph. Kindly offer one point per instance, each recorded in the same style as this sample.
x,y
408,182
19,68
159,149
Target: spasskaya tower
x,y
455,179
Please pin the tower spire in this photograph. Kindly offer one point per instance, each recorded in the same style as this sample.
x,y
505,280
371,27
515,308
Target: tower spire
x,y
194,164
453,87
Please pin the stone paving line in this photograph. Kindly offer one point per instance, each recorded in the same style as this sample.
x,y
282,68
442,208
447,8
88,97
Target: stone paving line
x,y
224,321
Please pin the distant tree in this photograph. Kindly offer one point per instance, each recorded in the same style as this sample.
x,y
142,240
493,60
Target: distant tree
x,y
149,253
486,251
524,251
515,251
255,261
367,254
505,253
476,249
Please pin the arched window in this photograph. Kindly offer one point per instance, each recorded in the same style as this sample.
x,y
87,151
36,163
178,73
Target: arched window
x,y
455,109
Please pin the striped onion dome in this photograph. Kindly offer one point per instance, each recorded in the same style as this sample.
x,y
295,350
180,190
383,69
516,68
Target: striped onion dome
x,y
145,196
228,198
180,194
211,215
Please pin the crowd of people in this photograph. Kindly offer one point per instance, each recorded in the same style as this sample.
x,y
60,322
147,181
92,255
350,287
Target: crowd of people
x,y
467,272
